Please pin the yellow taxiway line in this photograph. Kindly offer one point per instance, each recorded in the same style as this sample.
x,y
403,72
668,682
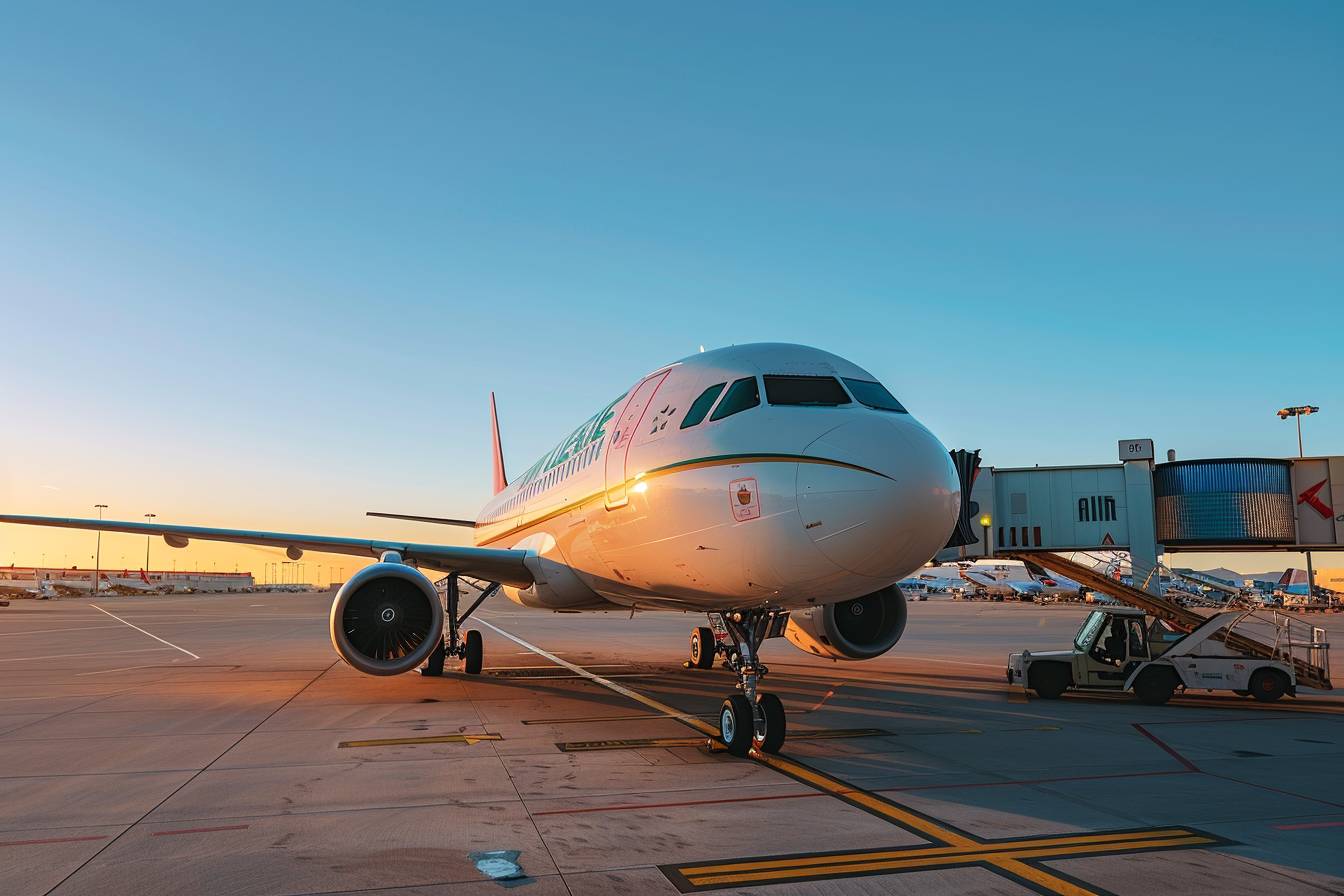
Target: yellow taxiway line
x,y
1012,858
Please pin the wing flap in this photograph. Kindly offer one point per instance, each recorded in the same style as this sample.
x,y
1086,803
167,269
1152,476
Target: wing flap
x,y
492,564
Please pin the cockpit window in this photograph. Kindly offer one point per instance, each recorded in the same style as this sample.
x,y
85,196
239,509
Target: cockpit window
x,y
700,407
742,394
812,391
875,395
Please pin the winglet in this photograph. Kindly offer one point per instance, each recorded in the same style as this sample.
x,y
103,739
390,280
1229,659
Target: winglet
x,y
501,479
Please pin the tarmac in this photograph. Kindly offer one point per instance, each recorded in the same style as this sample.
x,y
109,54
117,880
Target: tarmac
x,y
214,744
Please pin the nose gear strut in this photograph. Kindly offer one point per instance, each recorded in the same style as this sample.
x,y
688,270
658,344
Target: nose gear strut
x,y
752,718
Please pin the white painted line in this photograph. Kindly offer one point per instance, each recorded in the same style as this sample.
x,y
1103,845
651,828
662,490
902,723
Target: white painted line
x,y
64,656
57,631
607,683
143,632
124,668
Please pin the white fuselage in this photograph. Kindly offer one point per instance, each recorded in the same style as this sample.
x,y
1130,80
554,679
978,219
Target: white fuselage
x,y
780,504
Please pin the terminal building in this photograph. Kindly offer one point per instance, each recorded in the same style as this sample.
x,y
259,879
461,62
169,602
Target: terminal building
x,y
76,579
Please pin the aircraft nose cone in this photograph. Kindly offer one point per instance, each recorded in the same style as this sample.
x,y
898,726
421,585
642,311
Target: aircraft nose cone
x,y
882,498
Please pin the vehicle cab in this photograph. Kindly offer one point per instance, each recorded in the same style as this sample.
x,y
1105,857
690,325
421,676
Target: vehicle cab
x,y
1109,645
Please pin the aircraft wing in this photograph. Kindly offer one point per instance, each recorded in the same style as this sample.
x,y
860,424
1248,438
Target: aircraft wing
x,y
492,564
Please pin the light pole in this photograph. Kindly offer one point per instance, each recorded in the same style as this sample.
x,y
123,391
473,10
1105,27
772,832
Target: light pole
x,y
985,522
149,517
98,550
1298,413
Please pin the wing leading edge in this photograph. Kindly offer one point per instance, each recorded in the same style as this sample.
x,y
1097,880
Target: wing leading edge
x,y
492,564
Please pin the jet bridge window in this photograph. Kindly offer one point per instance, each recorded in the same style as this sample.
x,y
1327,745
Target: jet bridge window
x,y
810,391
742,395
875,395
700,407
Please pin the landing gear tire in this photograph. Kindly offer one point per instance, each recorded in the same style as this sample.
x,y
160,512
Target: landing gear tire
x,y
737,725
770,726
1155,687
475,653
1049,680
702,648
1268,685
434,665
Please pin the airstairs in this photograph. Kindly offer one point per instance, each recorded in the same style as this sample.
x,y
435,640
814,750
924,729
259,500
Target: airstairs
x,y
1292,641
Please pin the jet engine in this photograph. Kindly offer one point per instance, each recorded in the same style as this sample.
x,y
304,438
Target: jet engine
x,y
857,629
387,619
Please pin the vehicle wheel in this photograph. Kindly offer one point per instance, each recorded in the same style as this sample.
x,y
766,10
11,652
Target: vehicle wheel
x,y
769,736
1268,685
475,653
1049,680
1155,687
1240,693
702,648
737,724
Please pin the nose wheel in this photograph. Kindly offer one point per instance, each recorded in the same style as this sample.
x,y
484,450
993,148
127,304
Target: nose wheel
x,y
750,719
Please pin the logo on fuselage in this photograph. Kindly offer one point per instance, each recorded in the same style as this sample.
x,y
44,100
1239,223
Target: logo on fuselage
x,y
744,496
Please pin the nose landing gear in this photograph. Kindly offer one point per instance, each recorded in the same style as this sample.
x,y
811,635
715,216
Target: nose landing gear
x,y
751,719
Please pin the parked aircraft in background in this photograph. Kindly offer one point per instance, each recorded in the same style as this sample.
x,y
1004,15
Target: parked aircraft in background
x,y
127,584
26,588
780,489
1014,579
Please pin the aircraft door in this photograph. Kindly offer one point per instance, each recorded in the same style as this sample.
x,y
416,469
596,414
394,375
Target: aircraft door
x,y
627,423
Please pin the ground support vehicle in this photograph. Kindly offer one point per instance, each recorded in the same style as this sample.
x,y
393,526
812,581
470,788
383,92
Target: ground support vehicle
x,y
1120,648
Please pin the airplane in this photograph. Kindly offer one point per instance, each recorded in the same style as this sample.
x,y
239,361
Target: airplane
x,y
126,584
780,489
42,590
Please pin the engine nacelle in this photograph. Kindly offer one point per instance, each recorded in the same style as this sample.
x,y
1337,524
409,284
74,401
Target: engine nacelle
x,y
857,629
387,619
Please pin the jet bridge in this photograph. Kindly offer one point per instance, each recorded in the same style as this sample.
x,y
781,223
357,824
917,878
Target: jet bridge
x,y
1147,509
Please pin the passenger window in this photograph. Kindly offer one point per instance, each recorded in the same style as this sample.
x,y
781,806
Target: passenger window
x,y
810,391
875,395
700,407
742,395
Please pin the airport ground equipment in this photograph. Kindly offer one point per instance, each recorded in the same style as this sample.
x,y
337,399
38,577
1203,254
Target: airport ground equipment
x,y
1125,649
466,646
1310,670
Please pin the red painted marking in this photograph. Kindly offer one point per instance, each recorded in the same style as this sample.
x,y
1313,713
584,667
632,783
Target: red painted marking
x,y
48,840
230,827
1190,766
1308,825
1028,783
1309,497
626,807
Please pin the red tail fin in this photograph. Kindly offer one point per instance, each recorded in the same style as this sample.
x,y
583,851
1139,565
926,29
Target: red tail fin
x,y
501,478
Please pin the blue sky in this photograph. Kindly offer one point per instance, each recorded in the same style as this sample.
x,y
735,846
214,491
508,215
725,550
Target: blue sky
x,y
261,264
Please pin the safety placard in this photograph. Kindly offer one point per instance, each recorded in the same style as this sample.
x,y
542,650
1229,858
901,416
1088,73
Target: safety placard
x,y
745,497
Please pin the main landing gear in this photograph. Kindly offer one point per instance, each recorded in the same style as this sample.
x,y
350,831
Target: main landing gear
x,y
466,646
751,719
